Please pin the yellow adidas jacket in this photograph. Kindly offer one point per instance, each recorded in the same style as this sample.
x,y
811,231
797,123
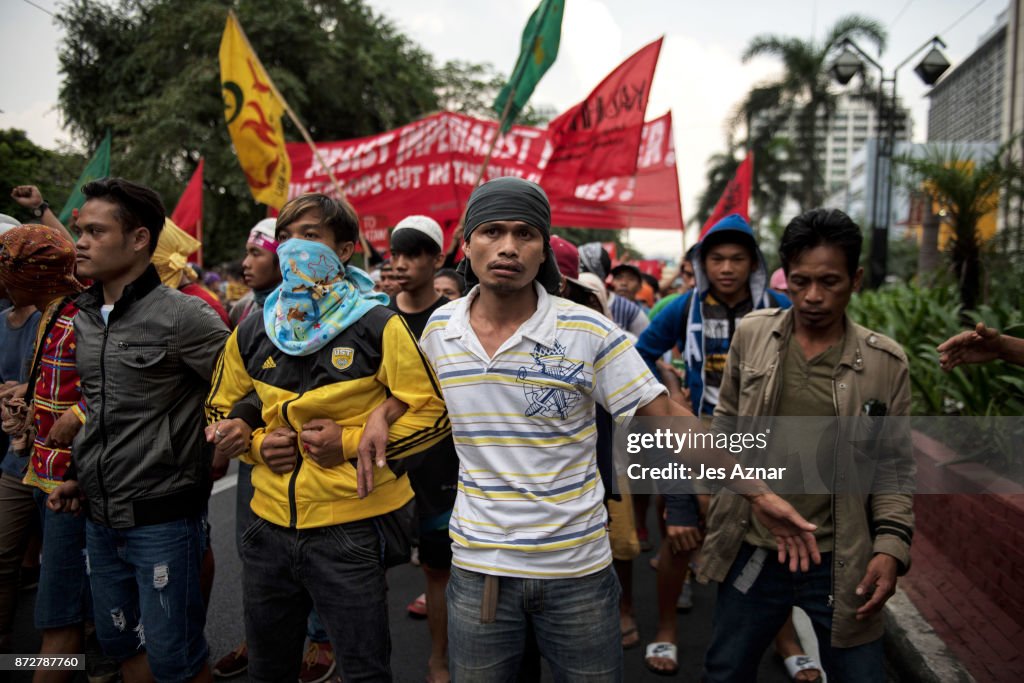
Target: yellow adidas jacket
x,y
375,357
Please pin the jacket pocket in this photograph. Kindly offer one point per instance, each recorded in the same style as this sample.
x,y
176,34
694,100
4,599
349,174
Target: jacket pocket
x,y
752,383
141,355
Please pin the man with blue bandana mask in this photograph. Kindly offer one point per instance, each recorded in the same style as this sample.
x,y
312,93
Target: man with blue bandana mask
x,y
325,355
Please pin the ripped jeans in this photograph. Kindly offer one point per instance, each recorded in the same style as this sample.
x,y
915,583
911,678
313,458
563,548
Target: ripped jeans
x,y
146,596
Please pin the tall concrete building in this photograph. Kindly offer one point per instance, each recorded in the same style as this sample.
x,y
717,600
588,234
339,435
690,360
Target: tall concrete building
x,y
854,122
967,104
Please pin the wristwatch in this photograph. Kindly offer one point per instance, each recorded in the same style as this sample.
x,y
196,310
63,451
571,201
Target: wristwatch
x,y
41,209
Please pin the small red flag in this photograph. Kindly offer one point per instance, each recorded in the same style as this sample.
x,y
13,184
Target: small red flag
x,y
188,214
736,197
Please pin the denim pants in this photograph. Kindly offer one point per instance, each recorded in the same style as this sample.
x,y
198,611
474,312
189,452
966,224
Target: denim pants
x,y
244,517
575,621
336,569
63,597
745,624
146,595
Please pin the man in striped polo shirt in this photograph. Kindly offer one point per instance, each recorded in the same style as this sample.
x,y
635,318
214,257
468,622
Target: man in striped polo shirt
x,y
521,371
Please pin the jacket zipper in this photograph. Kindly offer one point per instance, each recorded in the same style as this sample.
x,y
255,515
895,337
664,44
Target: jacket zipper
x,y
835,525
103,424
293,514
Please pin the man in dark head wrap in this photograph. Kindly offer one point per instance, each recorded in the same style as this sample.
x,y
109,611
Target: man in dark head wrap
x,y
508,238
539,365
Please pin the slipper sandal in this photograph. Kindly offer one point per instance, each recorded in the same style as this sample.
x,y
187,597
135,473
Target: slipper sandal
x,y
631,631
418,607
797,663
662,651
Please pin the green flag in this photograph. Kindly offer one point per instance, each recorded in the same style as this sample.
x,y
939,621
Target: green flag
x,y
540,47
99,167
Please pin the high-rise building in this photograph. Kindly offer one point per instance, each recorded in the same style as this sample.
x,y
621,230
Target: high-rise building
x,y
851,126
967,103
855,121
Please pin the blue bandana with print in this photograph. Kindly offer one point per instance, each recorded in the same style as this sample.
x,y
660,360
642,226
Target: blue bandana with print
x,y
317,299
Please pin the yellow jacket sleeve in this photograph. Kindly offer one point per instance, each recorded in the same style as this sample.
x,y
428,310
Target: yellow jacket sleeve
x,y
407,374
230,384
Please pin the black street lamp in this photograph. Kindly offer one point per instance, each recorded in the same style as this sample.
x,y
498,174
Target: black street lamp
x,y
848,64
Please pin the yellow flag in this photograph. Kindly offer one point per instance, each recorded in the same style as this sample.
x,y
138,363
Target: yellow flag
x,y
253,112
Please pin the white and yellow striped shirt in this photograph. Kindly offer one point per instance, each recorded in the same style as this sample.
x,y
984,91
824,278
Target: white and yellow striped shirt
x,y
530,499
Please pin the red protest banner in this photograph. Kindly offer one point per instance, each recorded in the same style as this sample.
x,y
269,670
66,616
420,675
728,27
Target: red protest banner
x,y
426,167
430,166
736,196
648,198
590,139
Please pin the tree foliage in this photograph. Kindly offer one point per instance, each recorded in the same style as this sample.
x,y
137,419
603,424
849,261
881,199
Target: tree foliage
x,y
148,70
470,89
965,190
22,162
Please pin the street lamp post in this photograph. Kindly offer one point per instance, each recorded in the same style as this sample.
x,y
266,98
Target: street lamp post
x,y
847,65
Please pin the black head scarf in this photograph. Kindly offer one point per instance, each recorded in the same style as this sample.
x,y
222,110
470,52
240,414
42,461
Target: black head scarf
x,y
512,199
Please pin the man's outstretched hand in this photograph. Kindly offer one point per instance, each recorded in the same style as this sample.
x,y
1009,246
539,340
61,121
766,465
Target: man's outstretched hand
x,y
980,345
793,534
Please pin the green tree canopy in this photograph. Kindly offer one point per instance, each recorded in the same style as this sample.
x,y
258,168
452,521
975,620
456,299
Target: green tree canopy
x,y
148,70
965,189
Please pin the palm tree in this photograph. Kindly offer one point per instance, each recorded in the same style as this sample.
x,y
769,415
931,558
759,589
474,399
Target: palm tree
x,y
966,190
803,94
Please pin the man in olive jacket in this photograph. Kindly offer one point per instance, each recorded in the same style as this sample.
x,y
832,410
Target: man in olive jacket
x,y
813,361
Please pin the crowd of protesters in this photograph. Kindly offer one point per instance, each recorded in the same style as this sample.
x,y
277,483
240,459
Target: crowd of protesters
x,y
460,416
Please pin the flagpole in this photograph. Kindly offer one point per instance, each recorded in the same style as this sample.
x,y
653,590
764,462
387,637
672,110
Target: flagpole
x,y
298,124
497,134
483,168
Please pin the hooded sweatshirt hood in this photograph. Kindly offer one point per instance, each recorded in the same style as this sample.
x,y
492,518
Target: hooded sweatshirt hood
x,y
732,229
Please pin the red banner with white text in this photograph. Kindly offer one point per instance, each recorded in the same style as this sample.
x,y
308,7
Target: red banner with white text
x,y
429,167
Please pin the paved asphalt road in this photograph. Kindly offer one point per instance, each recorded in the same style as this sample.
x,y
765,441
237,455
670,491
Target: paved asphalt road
x,y
410,640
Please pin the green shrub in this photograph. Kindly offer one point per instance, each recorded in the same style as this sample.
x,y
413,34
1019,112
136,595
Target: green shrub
x,y
922,318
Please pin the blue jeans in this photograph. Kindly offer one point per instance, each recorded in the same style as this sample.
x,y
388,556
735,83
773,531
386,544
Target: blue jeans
x,y
244,517
745,624
337,569
146,595
63,598
576,623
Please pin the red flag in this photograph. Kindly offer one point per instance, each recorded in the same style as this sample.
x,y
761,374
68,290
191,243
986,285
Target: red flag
x,y
600,136
736,197
188,214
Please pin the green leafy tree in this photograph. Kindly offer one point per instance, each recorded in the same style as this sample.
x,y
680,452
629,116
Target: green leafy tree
x,y
149,70
966,190
470,89
804,94
22,162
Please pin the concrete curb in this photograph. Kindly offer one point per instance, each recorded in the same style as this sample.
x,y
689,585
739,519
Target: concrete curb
x,y
915,652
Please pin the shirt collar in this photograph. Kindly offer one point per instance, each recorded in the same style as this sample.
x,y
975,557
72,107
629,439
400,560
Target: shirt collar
x,y
540,327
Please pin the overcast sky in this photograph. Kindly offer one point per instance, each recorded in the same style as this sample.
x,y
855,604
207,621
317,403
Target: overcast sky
x,y
700,75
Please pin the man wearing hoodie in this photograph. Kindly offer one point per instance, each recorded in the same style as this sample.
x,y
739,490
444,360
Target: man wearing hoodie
x,y
732,280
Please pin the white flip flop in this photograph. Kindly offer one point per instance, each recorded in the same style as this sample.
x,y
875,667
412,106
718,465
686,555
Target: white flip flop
x,y
662,650
797,663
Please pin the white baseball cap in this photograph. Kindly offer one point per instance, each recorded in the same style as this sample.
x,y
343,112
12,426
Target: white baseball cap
x,y
425,224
